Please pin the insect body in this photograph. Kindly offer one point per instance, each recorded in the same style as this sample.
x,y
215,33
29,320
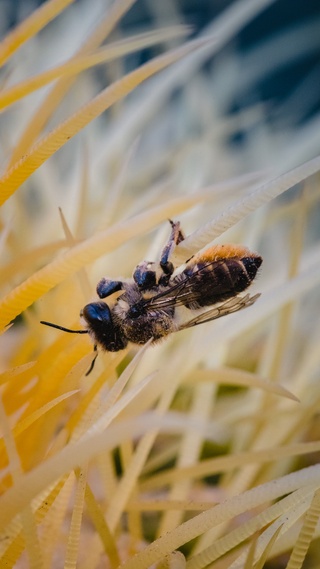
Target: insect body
x,y
150,305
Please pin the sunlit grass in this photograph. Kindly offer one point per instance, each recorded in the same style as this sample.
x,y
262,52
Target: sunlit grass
x,y
203,450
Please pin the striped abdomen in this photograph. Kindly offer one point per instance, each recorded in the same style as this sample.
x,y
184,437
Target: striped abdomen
x,y
219,273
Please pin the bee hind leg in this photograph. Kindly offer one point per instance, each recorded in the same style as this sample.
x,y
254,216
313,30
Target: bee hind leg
x,y
176,236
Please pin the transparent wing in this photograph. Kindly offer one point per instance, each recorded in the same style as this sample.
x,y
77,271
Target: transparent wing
x,y
183,292
232,305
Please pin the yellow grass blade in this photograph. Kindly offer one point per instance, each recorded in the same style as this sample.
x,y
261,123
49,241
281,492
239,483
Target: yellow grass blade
x,y
46,109
81,254
31,26
49,144
14,372
239,210
76,65
301,547
229,376
217,465
98,518
76,519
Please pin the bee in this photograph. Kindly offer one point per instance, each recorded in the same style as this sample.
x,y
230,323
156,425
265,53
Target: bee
x,y
158,300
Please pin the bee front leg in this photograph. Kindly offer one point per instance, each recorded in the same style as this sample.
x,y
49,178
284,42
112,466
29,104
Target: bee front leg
x,y
95,350
106,287
176,236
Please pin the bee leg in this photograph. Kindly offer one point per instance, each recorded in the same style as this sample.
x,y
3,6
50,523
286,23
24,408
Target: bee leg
x,y
105,287
145,276
95,349
176,236
177,229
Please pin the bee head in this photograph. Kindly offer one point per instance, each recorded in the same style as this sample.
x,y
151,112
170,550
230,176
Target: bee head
x,y
105,332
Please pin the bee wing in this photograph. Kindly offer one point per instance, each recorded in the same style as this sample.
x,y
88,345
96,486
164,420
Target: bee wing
x,y
182,293
175,295
228,307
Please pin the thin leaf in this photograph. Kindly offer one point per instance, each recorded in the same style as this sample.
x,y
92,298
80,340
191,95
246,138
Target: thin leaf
x,y
52,142
30,27
74,66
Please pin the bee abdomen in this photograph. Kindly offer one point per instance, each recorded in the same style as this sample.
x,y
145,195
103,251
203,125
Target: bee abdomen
x,y
244,271
222,279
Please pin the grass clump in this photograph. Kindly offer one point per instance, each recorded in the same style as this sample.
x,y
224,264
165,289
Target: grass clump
x,y
201,451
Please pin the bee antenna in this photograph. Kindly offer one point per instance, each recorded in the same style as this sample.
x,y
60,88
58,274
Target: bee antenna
x,y
62,328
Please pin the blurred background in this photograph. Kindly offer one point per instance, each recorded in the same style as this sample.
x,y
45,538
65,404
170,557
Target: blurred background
x,y
263,80
271,64
238,111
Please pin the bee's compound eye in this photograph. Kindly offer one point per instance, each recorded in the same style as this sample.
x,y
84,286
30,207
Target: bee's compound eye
x,y
106,333
96,312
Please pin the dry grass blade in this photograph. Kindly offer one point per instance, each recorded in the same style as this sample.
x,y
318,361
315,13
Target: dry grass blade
x,y
251,553
29,486
248,529
212,466
238,211
77,65
220,513
229,376
27,516
14,372
46,147
176,560
51,102
302,544
30,419
198,441
77,513
80,255
31,26
263,558
98,519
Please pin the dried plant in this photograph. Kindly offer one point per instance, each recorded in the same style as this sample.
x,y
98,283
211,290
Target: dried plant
x,y
201,451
